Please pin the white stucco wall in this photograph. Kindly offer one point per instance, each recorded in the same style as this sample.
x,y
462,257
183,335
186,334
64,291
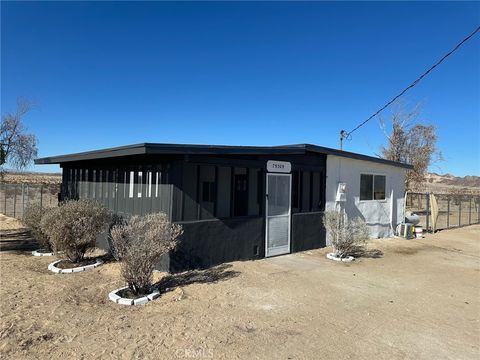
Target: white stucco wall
x,y
376,213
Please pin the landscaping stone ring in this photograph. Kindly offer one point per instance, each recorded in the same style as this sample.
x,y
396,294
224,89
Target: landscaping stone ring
x,y
40,253
333,256
113,296
59,270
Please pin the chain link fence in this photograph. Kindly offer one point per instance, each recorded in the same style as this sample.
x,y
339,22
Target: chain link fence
x,y
454,210
14,198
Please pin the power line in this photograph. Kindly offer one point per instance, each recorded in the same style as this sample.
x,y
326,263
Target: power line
x,y
347,134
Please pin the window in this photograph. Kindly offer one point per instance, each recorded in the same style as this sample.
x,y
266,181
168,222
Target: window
x,y
295,191
372,187
224,190
306,196
379,183
130,185
140,183
208,191
240,192
149,184
99,183
189,187
158,176
308,191
255,181
107,182
93,183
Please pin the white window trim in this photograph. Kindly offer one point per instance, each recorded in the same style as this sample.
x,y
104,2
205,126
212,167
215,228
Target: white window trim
x,y
373,188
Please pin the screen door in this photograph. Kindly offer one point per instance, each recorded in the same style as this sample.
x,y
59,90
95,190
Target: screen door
x,y
278,212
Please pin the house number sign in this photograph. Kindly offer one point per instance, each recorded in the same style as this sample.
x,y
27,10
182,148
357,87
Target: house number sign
x,y
279,166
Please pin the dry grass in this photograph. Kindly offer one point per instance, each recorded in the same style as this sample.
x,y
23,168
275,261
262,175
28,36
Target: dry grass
x,y
419,300
8,223
32,178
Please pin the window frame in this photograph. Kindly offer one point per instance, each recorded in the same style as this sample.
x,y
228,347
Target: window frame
x,y
208,188
373,187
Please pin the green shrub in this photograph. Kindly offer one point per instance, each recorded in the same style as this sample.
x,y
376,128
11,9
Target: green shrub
x,y
140,243
31,218
73,227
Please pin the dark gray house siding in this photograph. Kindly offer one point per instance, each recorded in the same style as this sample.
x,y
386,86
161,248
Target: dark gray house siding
x,y
219,200
218,193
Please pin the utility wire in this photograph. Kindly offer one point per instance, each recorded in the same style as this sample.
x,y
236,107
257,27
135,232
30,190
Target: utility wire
x,y
347,134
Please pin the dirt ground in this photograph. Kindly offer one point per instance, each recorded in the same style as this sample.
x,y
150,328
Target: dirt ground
x,y
420,300
8,223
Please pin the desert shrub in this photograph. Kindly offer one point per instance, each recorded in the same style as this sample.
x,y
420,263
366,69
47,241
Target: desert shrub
x,y
32,217
348,237
73,227
140,243
115,219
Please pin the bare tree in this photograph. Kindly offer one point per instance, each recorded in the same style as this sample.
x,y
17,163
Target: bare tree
x,y
410,141
17,147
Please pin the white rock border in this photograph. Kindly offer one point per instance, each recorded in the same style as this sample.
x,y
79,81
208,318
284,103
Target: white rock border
x,y
126,301
58,270
333,256
38,253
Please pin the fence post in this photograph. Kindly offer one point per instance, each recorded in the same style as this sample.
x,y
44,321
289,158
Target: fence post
x,y
14,200
5,199
448,212
427,220
23,199
460,213
470,211
41,196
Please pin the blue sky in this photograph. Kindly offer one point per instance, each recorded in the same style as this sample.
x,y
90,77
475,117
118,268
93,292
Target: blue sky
x,y
107,74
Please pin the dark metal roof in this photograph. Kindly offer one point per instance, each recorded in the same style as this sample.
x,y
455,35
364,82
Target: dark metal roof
x,y
172,149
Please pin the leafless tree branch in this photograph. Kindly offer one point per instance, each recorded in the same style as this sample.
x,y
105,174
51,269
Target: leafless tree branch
x,y
410,141
17,147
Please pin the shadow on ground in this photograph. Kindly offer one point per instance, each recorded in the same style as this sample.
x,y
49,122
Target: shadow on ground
x,y
17,240
208,276
366,253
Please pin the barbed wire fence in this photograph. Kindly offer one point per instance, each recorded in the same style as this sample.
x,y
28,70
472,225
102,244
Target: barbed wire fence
x,y
15,198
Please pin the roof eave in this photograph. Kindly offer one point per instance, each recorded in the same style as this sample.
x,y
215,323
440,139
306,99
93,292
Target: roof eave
x,y
169,149
351,155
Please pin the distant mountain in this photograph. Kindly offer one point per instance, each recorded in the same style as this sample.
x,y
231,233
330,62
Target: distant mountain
x,y
448,183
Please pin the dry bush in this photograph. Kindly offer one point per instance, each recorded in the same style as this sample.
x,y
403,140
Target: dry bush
x,y
140,244
115,220
73,227
348,237
31,218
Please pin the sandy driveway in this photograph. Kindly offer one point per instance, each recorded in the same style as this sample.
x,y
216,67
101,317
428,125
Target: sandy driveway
x,y
421,300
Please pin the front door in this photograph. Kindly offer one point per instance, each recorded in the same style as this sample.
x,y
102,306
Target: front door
x,y
278,213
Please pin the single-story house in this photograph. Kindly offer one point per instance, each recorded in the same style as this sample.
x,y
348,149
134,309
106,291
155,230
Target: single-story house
x,y
238,202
